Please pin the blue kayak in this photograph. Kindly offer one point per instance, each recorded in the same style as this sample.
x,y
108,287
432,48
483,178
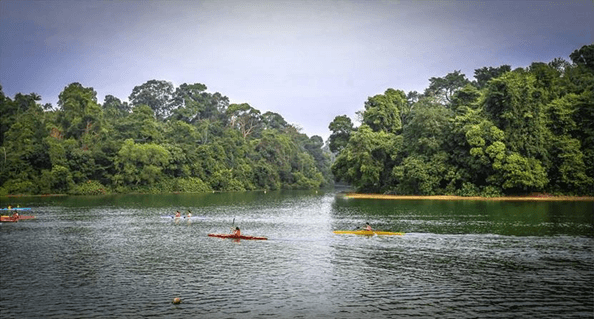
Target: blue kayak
x,y
182,217
16,208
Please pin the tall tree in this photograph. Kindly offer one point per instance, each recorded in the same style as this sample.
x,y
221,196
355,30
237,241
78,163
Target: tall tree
x,y
484,74
515,105
191,103
427,129
366,161
12,110
246,118
156,94
584,56
114,108
80,116
140,164
341,128
24,153
273,120
443,89
382,111
141,125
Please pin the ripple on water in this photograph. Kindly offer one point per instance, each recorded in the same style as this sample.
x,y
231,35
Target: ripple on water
x,y
98,262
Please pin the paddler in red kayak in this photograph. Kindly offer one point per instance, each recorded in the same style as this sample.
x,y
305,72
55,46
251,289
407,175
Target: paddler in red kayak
x,y
237,232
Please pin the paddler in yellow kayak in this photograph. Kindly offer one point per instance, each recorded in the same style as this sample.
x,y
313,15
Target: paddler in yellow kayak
x,y
367,227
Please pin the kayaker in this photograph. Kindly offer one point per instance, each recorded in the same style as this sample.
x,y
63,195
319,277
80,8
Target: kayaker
x,y
15,215
368,227
237,232
189,213
177,214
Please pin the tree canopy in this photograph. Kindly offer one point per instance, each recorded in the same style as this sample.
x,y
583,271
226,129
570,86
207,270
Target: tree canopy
x,y
507,132
166,139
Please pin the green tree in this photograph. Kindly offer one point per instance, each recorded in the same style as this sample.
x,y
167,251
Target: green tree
x,y
272,120
114,108
24,153
277,149
244,117
266,176
140,164
341,128
382,112
140,125
515,105
156,94
13,110
484,74
584,56
314,146
191,103
421,176
366,161
80,116
443,89
427,129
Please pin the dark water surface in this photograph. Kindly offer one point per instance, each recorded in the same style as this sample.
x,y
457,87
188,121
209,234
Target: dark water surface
x,y
115,256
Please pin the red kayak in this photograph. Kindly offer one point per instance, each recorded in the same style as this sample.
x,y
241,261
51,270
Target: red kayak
x,y
8,219
14,219
237,237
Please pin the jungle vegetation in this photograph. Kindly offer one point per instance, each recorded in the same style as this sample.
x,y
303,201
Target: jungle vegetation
x,y
505,132
165,139
521,131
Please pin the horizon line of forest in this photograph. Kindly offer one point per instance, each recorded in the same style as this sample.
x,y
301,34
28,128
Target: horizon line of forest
x,y
506,132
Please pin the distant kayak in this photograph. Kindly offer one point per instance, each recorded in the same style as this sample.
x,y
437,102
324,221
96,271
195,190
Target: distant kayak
x,y
182,217
14,219
8,219
366,232
16,208
237,237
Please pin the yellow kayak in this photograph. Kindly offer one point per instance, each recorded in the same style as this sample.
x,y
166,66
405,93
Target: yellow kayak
x,y
367,232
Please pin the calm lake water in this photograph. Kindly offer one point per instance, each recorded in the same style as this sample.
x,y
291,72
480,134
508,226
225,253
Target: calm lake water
x,y
116,256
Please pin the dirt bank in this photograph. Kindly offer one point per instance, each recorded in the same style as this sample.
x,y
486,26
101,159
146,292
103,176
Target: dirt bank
x,y
444,197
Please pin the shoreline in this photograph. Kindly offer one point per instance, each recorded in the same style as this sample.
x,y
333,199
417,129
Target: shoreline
x,y
448,197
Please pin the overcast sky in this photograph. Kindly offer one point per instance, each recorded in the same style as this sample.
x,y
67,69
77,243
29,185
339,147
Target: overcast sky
x,y
309,61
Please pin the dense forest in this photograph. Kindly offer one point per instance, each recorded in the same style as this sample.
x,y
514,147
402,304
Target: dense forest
x,y
165,139
506,132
